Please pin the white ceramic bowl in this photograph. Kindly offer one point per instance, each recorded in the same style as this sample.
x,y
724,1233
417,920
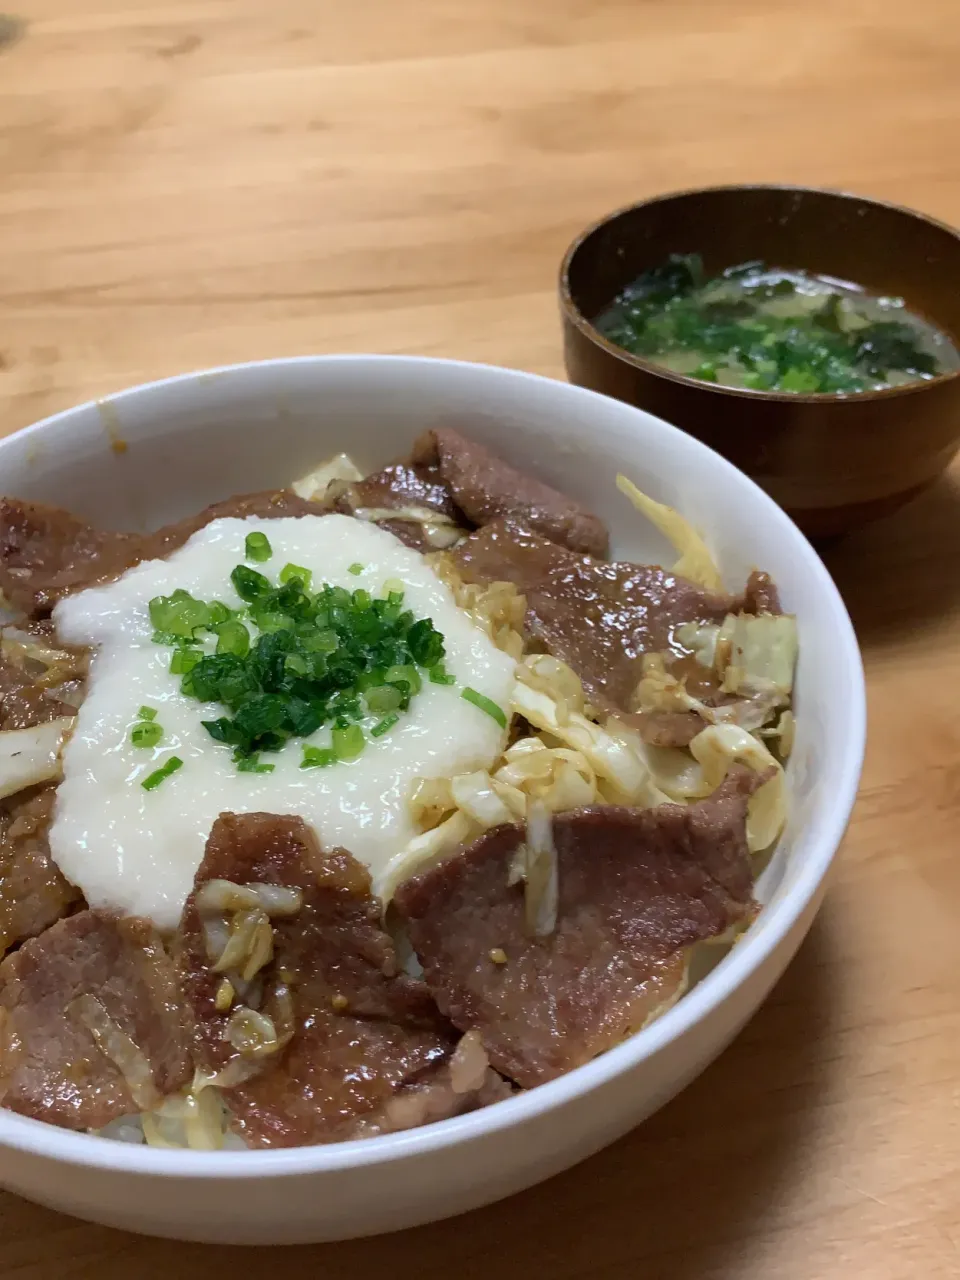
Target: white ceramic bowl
x,y
165,450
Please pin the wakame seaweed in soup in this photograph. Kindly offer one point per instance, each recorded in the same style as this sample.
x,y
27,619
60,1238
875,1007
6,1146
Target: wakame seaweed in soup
x,y
769,329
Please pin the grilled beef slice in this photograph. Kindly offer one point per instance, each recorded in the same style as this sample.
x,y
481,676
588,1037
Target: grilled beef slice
x,y
485,489
368,1050
46,553
90,970
33,893
637,889
600,617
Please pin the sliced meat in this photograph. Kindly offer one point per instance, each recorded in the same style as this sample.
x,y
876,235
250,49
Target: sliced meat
x,y
485,488
25,701
92,1025
465,1083
33,893
271,504
761,594
636,890
41,679
359,1045
46,553
426,519
601,617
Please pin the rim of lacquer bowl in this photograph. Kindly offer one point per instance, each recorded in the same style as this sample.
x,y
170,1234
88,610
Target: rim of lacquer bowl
x,y
775,922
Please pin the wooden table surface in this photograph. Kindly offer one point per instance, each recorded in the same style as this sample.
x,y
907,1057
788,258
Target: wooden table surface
x,y
190,182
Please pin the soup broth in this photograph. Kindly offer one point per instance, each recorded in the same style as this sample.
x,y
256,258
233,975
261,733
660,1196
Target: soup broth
x,y
765,328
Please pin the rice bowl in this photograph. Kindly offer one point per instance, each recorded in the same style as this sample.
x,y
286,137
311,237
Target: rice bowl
x,y
575,441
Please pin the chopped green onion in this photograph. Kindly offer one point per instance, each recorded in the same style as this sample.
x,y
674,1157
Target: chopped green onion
x,y
425,643
219,612
382,698
356,568
317,757
384,725
233,637
147,713
296,659
438,675
257,547
146,734
251,764
291,571
249,584
167,637
348,742
405,673
485,704
153,780
184,660
394,587
269,622
178,615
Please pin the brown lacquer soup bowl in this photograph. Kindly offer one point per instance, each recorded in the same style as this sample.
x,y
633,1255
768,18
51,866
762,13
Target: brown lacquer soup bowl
x,y
254,1003
833,462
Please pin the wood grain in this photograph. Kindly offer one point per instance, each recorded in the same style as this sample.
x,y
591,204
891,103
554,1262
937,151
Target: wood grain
x,y
189,182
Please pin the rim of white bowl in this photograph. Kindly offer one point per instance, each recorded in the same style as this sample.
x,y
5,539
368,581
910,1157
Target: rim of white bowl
x,y
777,918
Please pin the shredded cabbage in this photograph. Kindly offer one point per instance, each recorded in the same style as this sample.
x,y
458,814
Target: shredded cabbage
x,y
696,563
676,773
314,485
44,663
439,531
498,608
423,851
30,756
114,1043
658,690
782,733
540,881
625,779
720,746
475,795
759,653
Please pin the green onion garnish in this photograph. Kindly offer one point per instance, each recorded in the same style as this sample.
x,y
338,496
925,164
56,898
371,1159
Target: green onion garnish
x,y
184,660
317,757
147,713
485,704
146,734
296,659
383,697
233,637
356,568
219,612
426,645
251,764
257,547
249,584
178,615
406,674
438,675
384,725
348,742
153,780
291,571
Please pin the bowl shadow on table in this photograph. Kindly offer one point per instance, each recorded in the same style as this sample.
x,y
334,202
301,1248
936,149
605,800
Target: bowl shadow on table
x,y
899,576
680,1198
